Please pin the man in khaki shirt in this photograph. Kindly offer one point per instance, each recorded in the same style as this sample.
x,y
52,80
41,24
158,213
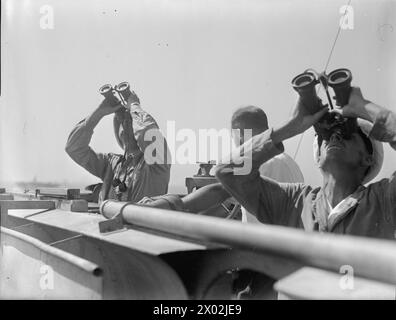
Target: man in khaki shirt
x,y
128,176
342,205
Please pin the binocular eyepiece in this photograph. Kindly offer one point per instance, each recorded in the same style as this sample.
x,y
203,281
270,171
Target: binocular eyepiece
x,y
340,81
123,89
305,84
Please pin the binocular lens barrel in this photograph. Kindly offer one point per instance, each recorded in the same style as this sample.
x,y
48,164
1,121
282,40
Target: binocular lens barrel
x,y
124,90
107,92
304,84
340,80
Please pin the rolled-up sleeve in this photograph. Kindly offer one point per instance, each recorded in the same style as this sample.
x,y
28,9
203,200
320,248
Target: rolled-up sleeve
x,y
147,133
390,194
77,147
239,173
142,122
384,128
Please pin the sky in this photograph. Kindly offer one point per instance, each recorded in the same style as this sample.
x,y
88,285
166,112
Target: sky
x,y
192,62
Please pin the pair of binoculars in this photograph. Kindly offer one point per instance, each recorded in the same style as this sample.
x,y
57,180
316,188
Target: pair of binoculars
x,y
340,81
123,90
122,187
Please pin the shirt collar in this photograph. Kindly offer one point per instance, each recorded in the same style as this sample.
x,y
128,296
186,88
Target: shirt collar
x,y
342,209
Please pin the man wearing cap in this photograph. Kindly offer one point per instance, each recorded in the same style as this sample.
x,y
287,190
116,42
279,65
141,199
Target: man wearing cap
x,y
127,177
342,205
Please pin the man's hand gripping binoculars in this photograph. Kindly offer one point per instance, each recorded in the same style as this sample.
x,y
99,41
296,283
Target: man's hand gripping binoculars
x,y
340,81
119,94
122,95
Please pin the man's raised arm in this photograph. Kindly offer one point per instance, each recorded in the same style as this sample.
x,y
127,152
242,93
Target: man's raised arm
x,y
145,128
384,129
77,145
384,120
246,187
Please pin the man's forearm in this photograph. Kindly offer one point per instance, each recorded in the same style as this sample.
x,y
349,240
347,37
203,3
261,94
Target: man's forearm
x,y
244,186
251,155
93,119
284,132
370,111
384,123
77,144
205,198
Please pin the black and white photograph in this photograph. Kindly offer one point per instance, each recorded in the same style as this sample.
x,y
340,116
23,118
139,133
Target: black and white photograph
x,y
210,152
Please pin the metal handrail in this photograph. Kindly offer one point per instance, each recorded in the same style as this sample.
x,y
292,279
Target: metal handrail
x,y
371,258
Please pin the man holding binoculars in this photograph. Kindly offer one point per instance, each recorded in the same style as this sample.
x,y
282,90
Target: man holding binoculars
x,y
347,150
127,177
212,199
